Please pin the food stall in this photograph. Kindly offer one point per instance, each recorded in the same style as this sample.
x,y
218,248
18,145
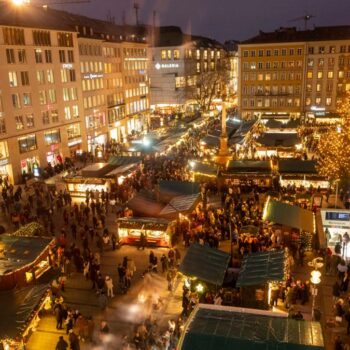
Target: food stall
x,y
78,185
23,259
259,274
249,172
158,231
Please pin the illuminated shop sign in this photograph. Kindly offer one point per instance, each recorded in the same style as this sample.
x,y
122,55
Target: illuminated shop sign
x,y
67,66
166,65
92,76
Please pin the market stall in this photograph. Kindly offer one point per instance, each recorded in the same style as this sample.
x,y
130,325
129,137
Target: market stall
x,y
78,186
205,264
157,231
257,276
201,171
23,259
297,224
212,327
300,173
20,315
96,170
249,172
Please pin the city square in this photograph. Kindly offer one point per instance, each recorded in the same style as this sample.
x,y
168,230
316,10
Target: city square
x,y
164,186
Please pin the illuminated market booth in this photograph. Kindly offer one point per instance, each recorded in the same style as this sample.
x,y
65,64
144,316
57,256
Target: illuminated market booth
x,y
123,167
212,327
20,314
284,145
204,265
249,172
91,179
300,173
296,224
259,274
201,171
157,230
23,259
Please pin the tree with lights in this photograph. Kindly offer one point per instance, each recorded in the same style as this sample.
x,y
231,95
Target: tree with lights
x,y
334,147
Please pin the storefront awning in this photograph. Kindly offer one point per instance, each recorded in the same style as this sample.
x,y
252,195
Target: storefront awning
x,y
180,204
212,327
249,166
289,215
297,166
205,263
144,223
261,267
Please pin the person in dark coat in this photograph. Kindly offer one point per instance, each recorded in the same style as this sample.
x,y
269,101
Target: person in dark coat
x,y
73,340
61,344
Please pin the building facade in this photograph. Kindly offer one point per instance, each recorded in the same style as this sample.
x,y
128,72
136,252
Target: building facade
x,y
69,84
177,61
293,73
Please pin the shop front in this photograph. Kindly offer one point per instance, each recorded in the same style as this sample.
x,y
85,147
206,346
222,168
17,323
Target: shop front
x,y
79,186
30,166
5,167
54,156
97,144
336,223
74,147
157,231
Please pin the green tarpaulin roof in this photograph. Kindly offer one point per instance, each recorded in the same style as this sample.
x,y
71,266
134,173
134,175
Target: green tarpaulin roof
x,y
205,263
289,215
297,166
180,204
278,140
213,327
117,161
249,166
261,267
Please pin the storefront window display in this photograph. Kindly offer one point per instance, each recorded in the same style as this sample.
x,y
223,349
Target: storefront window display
x,y
30,165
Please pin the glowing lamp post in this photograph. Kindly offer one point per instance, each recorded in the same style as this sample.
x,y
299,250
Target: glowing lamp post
x,y
315,280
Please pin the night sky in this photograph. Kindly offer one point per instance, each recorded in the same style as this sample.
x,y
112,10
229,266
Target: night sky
x,y
222,19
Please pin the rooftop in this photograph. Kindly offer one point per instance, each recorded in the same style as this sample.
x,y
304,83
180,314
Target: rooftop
x,y
293,35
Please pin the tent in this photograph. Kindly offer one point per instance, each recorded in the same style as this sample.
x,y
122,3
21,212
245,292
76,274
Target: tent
x,y
180,204
285,140
117,161
205,263
170,189
212,327
297,166
204,169
249,166
261,267
289,215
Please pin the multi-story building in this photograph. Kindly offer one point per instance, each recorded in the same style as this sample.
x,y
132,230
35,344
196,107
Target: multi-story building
x,y
294,73
68,83
176,62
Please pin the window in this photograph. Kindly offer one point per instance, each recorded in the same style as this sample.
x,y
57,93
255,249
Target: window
x,y
275,65
13,79
62,56
198,67
310,62
73,131
328,101
299,52
52,96
318,100
40,77
45,117
73,94
16,103
30,121
252,53
163,55
284,52
72,76
75,111
268,53
27,143
291,52
13,36
342,49
65,94
319,75
41,38
22,56
27,99
268,76
318,87
341,74
311,50
52,137
321,62
65,39
245,53
19,122
67,114
10,56
180,82
332,49
176,54
54,116
70,55
309,74
329,87
260,53
275,52
331,61
321,50
64,75
38,56
169,54
330,75
48,56
42,97
50,77
24,78
308,101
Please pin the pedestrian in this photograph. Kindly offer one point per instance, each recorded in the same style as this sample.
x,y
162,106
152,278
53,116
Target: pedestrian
x,y
109,286
59,315
164,262
90,329
338,344
73,340
61,344
102,300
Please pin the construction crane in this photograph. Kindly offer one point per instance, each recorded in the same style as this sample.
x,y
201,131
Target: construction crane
x,y
305,18
136,8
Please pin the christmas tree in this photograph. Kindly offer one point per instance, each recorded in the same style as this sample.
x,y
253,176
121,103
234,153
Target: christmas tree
x,y
334,146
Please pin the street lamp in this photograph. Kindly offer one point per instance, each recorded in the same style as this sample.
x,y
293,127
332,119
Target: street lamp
x,y
315,280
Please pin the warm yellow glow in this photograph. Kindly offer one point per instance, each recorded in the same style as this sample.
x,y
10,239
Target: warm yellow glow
x,y
315,277
199,288
20,2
